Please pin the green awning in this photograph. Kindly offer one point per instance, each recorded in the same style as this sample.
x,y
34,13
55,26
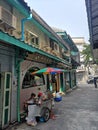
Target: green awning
x,y
16,42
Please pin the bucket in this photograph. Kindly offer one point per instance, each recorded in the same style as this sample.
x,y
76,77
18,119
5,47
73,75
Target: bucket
x,y
58,99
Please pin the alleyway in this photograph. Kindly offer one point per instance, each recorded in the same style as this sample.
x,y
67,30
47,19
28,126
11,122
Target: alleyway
x,y
77,111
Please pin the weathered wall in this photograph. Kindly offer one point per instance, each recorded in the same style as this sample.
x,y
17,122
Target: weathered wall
x,y
7,54
25,93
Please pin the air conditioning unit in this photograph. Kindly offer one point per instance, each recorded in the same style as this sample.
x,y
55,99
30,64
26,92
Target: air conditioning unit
x,y
7,18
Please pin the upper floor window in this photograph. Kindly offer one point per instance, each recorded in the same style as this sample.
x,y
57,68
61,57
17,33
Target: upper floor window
x,y
54,45
32,38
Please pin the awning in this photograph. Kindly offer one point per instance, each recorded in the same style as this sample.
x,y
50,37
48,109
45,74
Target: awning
x,y
16,42
49,70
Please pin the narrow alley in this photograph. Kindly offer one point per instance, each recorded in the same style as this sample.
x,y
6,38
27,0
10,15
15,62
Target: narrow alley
x,y
77,111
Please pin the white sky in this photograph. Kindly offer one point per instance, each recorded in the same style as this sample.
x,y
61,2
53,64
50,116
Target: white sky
x,y
68,15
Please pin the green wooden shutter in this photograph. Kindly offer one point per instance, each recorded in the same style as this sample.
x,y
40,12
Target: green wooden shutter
x,y
6,98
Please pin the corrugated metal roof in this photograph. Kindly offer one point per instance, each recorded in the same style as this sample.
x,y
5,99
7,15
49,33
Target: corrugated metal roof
x,y
42,22
45,25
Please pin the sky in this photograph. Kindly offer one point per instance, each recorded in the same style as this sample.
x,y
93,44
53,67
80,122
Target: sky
x,y
68,15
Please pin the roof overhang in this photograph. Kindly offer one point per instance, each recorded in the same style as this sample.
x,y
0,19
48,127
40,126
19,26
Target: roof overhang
x,y
16,42
37,20
68,40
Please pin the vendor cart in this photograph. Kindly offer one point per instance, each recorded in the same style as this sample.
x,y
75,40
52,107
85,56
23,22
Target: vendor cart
x,y
43,110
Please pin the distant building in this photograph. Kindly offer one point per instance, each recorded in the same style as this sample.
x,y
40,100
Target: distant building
x,y
80,42
81,70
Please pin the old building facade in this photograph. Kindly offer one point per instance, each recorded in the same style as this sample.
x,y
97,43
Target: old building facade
x,y
27,44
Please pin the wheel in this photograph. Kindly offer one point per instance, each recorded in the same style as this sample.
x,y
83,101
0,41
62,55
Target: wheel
x,y
45,114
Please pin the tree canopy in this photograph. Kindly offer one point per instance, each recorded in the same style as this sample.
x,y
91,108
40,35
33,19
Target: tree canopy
x,y
87,54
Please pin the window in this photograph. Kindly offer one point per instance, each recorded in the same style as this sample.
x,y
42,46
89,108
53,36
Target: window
x,y
53,45
56,47
32,80
32,38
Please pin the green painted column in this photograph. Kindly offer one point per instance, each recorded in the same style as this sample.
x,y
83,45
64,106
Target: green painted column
x,y
18,87
49,85
70,79
64,82
75,78
61,83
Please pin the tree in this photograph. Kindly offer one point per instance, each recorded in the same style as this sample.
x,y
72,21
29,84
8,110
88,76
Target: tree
x,y
87,56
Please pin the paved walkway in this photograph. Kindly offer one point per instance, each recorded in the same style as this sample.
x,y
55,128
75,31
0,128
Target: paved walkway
x,y
77,111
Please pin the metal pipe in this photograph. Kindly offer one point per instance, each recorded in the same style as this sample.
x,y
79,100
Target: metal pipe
x,y
22,25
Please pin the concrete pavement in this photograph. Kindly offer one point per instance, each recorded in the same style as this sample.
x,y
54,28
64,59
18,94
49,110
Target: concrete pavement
x,y
77,111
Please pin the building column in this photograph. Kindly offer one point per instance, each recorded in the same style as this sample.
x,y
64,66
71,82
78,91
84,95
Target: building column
x,y
70,79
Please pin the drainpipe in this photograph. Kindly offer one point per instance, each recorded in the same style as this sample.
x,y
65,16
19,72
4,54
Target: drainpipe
x,y
22,25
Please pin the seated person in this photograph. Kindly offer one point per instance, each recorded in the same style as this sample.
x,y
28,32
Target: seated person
x,y
31,100
31,120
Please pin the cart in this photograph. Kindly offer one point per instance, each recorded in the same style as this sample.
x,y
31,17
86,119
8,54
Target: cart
x,y
43,110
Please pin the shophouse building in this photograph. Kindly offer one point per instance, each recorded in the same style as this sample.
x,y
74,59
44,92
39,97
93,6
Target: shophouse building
x,y
28,44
